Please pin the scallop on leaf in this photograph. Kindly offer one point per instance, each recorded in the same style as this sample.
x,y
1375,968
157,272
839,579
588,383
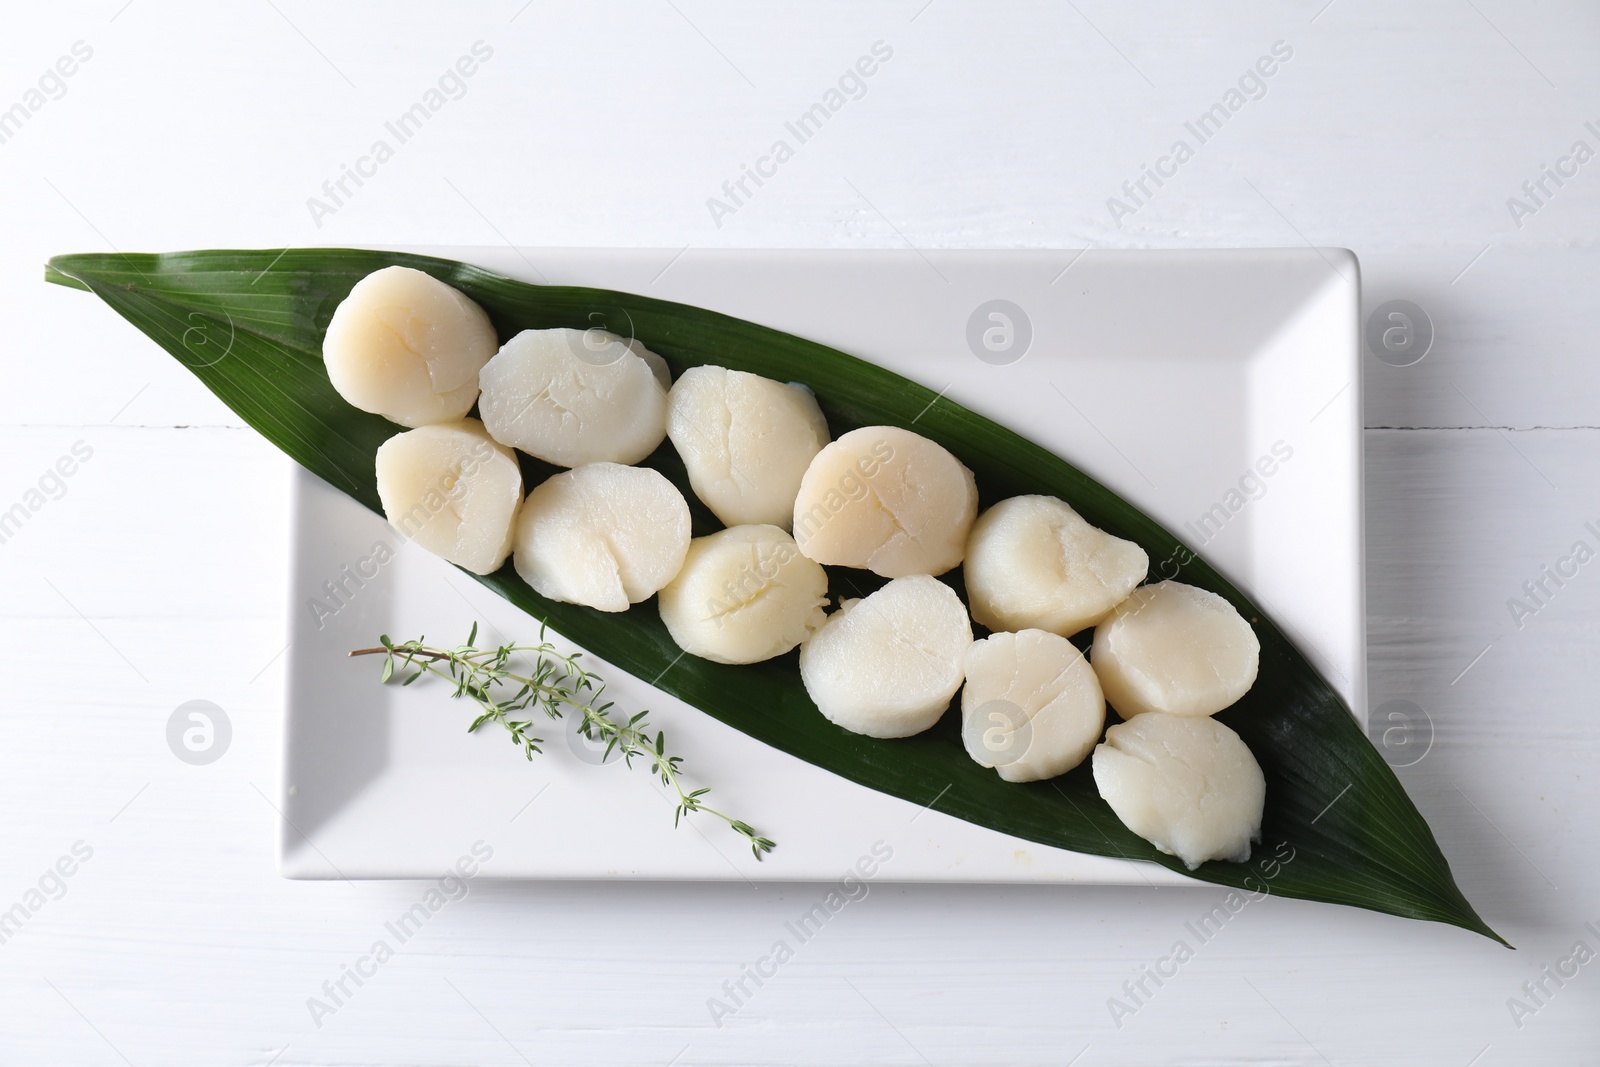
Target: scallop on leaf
x,y
1371,849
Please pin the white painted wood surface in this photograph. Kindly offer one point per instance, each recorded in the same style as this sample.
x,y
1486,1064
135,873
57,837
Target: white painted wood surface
x,y
1398,130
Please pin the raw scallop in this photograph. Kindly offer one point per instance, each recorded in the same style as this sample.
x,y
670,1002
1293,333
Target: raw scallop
x,y
745,594
1187,784
571,397
888,500
1174,648
746,441
1032,561
1032,708
407,346
453,490
888,664
602,534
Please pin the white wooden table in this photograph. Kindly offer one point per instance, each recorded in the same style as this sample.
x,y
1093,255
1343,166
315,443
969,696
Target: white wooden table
x,y
153,574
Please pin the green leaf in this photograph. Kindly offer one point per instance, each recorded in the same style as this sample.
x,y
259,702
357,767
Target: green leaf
x,y
249,325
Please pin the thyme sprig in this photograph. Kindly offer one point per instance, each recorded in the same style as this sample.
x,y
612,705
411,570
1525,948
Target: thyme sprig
x,y
556,682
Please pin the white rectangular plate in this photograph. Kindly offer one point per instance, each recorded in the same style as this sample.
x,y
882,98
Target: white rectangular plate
x,y
1173,377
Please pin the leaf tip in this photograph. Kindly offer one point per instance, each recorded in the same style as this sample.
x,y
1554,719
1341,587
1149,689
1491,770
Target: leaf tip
x,y
55,275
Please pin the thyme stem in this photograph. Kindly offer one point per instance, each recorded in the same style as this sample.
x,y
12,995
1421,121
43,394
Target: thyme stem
x,y
557,682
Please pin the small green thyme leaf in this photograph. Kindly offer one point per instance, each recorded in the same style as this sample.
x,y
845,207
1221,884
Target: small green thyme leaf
x,y
556,684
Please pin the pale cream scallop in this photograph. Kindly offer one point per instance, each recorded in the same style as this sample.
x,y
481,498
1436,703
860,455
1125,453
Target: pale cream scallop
x,y
1032,561
1187,784
604,535
571,397
453,490
1174,648
1031,708
407,346
745,594
887,500
887,665
746,442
